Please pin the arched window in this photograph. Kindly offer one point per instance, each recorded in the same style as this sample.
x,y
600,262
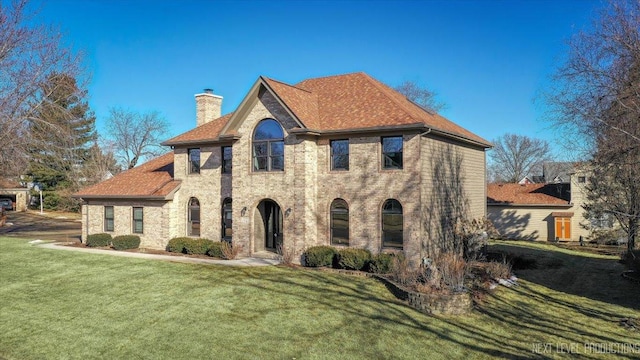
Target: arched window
x,y
194,217
227,220
268,146
339,222
392,224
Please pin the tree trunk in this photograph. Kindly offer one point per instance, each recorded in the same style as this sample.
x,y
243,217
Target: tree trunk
x,y
631,236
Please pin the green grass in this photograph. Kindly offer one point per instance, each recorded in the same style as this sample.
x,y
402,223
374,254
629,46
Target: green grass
x,y
57,304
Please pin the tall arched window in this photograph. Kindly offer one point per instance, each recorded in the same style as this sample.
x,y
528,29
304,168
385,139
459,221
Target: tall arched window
x,y
268,146
392,224
339,222
227,220
194,217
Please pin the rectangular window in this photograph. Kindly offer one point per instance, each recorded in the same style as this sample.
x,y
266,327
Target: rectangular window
x,y
226,159
392,152
582,179
194,161
339,154
138,220
108,218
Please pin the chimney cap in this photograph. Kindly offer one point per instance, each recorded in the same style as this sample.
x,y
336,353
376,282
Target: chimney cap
x,y
208,91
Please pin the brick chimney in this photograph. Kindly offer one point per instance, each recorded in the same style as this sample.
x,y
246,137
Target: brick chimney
x,y
208,107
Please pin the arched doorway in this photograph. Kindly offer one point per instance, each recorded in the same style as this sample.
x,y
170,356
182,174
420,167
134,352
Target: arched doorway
x,y
268,227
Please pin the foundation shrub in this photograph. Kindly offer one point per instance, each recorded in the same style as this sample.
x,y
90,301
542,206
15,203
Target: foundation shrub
x,y
98,240
198,246
124,242
177,244
353,259
381,263
317,256
215,249
230,251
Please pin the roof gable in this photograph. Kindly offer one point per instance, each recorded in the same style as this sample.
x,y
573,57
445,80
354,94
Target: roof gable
x,y
249,101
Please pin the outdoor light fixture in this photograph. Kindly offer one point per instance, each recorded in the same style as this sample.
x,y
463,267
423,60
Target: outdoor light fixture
x,y
243,211
287,212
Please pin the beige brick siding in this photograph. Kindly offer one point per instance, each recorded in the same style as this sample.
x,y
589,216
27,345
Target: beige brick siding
x,y
205,186
155,220
365,187
307,186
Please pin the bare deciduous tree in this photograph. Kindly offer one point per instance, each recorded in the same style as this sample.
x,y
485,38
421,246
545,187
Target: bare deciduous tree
x,y
514,156
136,136
596,100
421,96
29,55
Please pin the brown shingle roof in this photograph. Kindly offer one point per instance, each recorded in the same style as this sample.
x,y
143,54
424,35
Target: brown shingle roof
x,y
206,132
153,179
529,194
302,103
342,102
357,100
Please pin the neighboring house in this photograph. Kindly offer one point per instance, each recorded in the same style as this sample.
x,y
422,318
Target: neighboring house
x,y
546,212
14,191
533,179
558,171
340,160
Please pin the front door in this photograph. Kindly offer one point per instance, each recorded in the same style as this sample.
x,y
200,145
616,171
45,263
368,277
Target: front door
x,y
273,226
563,228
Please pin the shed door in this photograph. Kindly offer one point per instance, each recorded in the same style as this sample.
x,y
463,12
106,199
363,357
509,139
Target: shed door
x,y
563,228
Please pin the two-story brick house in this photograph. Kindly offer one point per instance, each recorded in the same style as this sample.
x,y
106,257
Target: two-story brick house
x,y
341,160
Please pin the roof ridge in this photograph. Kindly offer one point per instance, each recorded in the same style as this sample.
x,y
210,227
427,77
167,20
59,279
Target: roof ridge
x,y
333,76
385,88
289,85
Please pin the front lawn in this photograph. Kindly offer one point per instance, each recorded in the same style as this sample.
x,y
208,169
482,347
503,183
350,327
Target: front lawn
x,y
59,304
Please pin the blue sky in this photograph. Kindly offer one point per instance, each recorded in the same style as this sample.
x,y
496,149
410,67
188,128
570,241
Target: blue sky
x,y
487,60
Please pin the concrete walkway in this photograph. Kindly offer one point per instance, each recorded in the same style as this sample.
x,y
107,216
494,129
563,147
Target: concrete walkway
x,y
182,259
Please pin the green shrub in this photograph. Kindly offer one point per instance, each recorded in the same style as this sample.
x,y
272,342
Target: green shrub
x,y
124,242
381,263
353,259
98,240
177,244
316,256
215,249
197,246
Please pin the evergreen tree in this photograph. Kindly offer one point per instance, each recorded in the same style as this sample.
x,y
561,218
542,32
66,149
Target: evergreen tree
x,y
62,132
